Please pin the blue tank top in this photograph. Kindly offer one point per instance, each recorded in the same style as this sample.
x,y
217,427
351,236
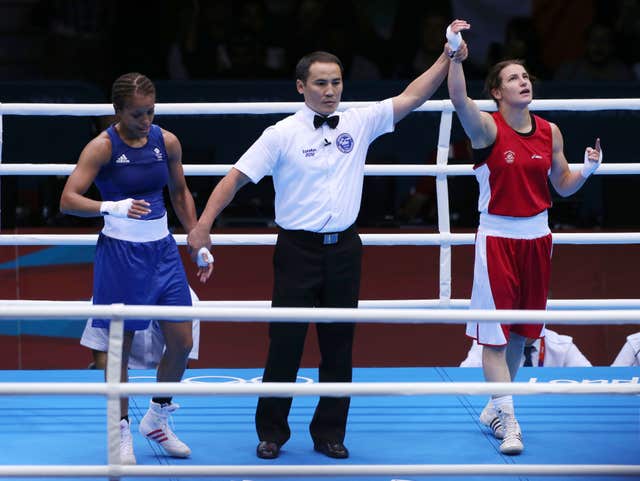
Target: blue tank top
x,y
136,172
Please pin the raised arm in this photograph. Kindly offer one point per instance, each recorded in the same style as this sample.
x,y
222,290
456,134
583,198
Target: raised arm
x,y
423,87
479,126
563,180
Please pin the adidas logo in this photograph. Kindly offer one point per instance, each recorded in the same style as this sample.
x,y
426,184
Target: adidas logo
x,y
122,159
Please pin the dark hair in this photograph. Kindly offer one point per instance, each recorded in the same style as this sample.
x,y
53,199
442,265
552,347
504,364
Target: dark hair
x,y
128,85
493,80
302,68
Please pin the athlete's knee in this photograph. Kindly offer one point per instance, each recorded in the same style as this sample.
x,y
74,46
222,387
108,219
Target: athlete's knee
x,y
494,352
180,347
178,342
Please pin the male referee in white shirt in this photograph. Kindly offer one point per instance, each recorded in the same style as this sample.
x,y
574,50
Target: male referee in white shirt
x,y
316,158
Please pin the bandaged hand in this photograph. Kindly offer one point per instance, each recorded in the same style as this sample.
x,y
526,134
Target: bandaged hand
x,y
454,38
204,257
592,160
133,208
117,209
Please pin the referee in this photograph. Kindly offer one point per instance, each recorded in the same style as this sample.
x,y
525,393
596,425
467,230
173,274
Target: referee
x,y
316,158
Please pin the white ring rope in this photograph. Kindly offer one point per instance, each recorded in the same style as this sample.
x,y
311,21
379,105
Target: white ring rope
x,y
330,389
221,108
552,304
296,471
367,239
66,310
373,170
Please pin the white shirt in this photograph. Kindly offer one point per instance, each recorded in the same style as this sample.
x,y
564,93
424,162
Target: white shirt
x,y
148,344
317,173
559,351
629,355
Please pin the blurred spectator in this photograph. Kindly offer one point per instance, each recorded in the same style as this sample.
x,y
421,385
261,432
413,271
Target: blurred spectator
x,y
225,39
281,16
428,46
521,41
347,35
251,54
247,56
488,19
561,27
307,27
420,205
78,38
600,60
629,355
200,49
141,39
409,36
553,350
627,34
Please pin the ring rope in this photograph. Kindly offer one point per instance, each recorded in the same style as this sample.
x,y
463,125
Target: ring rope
x,y
70,310
367,239
552,304
209,108
369,170
114,471
328,389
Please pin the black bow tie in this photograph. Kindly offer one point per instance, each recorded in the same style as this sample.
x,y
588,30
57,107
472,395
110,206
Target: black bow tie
x,y
332,121
528,351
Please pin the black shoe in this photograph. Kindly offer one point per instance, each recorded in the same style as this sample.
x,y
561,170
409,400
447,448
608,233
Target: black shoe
x,y
268,450
333,449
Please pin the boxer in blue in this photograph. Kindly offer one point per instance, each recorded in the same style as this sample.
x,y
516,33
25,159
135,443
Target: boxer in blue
x,y
137,260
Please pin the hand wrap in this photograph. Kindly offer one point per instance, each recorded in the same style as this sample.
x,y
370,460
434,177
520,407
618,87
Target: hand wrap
x,y
116,209
589,167
208,257
454,39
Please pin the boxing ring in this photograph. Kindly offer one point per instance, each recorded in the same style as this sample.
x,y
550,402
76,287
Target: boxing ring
x,y
405,423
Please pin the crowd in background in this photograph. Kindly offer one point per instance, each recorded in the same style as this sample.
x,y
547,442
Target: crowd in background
x,y
379,39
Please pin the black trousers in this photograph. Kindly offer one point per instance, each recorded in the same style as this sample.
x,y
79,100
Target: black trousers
x,y
310,273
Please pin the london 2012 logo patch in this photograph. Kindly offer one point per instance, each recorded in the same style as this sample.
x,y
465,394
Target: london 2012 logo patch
x,y
344,142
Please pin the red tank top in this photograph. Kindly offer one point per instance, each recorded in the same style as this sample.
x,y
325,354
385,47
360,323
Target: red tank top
x,y
513,179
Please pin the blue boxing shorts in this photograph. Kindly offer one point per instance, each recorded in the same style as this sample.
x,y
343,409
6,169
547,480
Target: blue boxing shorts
x,y
138,273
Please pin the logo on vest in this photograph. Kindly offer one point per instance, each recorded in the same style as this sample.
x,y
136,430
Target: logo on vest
x,y
509,157
344,142
158,154
309,152
122,159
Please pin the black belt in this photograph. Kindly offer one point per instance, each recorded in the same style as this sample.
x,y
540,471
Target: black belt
x,y
324,238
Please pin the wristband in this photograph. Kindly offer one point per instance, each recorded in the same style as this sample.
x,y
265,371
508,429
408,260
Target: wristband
x,y
454,39
208,257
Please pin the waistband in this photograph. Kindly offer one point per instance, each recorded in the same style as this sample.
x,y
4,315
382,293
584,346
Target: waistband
x,y
135,230
324,238
515,227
